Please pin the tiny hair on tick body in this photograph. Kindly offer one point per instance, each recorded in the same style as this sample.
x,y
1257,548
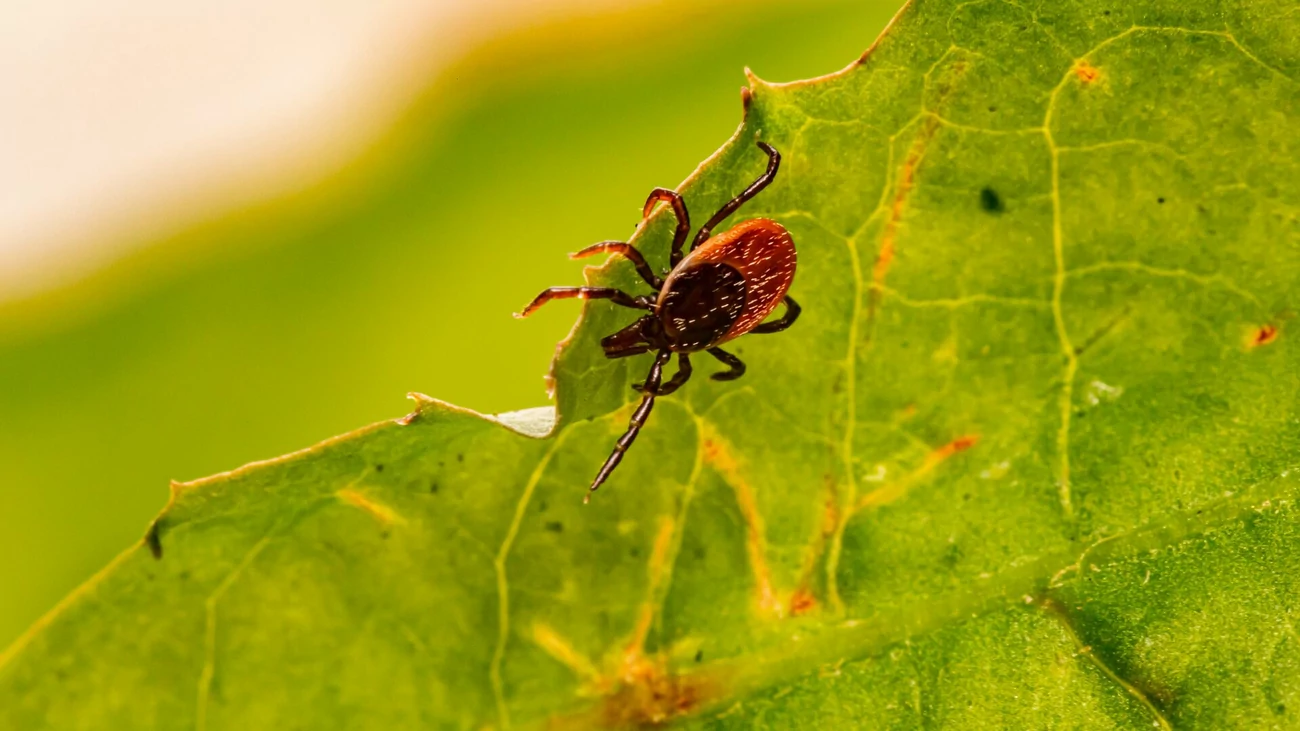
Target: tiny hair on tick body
x,y
724,287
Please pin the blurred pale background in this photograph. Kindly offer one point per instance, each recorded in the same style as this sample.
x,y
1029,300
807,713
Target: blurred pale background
x,y
229,230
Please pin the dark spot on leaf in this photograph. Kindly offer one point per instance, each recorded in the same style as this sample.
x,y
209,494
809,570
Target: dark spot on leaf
x,y
460,458
635,552
433,488
1105,12
1024,27
555,526
951,555
991,201
698,553
699,656
993,109
1264,335
965,496
1161,200
542,506
379,468
1086,72
384,535
153,540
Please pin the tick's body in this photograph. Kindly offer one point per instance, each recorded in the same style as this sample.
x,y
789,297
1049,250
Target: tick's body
x,y
724,288
751,266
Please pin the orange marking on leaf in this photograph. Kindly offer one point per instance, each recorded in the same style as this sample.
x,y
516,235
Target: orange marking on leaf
x,y
559,648
652,696
638,689
646,694
831,513
658,562
960,444
377,510
892,492
710,450
907,176
802,602
719,457
1086,72
1264,335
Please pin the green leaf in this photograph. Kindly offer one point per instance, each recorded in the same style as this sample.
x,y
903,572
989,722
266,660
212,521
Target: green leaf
x,y
1025,461
326,302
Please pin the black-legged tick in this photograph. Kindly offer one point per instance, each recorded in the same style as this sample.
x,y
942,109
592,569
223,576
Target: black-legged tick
x,y
724,288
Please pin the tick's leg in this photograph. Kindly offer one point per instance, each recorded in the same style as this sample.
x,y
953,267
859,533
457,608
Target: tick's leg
x,y
773,162
737,367
627,250
792,311
683,219
618,297
634,425
681,377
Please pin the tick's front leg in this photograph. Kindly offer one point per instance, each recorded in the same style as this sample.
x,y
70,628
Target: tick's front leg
x,y
616,296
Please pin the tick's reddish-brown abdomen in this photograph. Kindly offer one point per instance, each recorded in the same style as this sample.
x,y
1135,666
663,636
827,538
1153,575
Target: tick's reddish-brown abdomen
x,y
763,252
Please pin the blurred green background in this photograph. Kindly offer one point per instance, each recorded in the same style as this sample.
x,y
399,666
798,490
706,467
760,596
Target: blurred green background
x,y
267,329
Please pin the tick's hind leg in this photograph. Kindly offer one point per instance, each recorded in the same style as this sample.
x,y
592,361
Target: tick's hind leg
x,y
737,366
679,378
773,162
683,218
616,296
634,425
627,250
792,311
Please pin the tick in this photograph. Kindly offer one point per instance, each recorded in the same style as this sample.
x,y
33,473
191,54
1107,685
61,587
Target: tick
x,y
723,288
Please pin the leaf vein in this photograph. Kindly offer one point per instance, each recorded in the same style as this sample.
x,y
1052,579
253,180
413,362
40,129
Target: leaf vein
x,y
503,586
